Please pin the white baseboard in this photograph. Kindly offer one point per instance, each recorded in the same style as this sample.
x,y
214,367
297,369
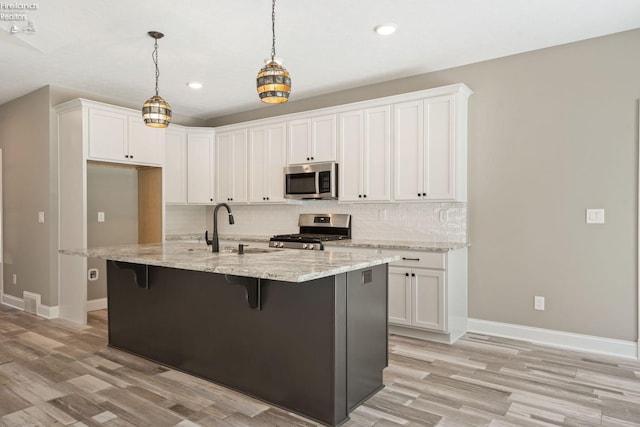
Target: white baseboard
x,y
48,312
550,337
97,304
12,301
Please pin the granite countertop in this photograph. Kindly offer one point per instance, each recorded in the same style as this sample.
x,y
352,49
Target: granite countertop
x,y
355,243
277,264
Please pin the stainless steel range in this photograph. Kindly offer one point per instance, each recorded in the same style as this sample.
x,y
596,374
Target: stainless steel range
x,y
315,229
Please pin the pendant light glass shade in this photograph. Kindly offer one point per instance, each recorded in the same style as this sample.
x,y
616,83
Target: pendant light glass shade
x,y
156,112
273,81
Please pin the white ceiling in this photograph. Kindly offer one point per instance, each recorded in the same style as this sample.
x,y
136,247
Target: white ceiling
x,y
101,47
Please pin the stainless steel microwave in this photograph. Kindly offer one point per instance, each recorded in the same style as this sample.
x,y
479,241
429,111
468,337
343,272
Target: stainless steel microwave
x,y
312,181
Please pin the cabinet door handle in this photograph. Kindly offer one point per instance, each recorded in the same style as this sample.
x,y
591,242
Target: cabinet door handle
x,y
308,158
364,196
413,274
406,274
410,259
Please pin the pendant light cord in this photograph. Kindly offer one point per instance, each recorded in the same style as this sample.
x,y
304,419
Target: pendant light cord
x,y
273,30
154,56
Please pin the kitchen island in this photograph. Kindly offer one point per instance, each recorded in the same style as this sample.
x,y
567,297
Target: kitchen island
x,y
303,330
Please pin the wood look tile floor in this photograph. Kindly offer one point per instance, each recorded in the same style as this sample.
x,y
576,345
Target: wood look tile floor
x,y
53,373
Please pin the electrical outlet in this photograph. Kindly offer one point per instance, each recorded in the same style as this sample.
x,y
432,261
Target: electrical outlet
x,y
538,303
100,216
92,274
41,217
444,215
595,216
15,279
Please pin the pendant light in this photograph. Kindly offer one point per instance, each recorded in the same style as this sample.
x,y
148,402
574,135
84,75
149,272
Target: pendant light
x,y
274,83
156,111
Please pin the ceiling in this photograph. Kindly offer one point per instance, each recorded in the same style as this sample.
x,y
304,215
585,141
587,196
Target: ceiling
x,y
102,47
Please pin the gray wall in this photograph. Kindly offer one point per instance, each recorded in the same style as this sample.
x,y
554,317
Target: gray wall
x,y
27,163
114,191
551,133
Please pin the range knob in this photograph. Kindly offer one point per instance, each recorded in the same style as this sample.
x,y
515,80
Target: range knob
x,y
312,247
281,245
304,246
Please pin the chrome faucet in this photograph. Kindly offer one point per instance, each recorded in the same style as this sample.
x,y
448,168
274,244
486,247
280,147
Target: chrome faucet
x,y
214,243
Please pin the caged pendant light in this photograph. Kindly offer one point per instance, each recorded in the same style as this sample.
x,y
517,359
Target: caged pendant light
x,y
274,83
156,111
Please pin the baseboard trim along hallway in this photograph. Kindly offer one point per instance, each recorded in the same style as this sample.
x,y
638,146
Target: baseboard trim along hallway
x,y
560,339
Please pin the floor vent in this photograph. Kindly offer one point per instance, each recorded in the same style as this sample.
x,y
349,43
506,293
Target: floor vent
x,y
31,302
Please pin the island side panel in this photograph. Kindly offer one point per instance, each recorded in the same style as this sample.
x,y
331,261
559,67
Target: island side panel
x,y
291,353
367,334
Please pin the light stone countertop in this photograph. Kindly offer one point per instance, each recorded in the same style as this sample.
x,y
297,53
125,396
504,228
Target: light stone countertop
x,y
277,264
354,243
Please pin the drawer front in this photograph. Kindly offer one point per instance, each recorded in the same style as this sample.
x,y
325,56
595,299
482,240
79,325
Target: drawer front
x,y
419,259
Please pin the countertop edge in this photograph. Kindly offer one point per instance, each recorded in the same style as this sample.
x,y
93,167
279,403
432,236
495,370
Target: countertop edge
x,y
221,268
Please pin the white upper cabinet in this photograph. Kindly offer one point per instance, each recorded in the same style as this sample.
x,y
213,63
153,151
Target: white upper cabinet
x,y
200,167
267,159
231,166
430,149
145,142
175,166
121,137
365,155
312,140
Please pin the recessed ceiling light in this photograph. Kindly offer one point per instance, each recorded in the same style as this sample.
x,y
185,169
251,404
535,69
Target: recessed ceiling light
x,y
385,29
195,85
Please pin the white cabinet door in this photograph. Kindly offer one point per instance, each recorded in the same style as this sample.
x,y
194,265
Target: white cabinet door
x,y
266,163
428,292
409,144
108,135
323,138
425,149
365,155
351,159
312,140
145,142
200,172
399,296
299,141
231,166
376,163
439,161
175,166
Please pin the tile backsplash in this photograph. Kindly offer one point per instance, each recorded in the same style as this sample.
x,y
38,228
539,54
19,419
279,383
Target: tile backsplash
x,y
429,222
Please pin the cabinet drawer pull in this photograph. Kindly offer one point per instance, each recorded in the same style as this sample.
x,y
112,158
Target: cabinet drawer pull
x,y
410,259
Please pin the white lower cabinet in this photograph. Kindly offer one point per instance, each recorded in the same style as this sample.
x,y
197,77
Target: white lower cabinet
x,y
416,298
428,294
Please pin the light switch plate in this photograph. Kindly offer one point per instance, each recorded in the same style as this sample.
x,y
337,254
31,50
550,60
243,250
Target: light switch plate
x,y
100,216
595,216
40,217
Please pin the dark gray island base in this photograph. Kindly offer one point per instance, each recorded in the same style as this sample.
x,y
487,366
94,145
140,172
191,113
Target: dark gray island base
x,y
316,348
